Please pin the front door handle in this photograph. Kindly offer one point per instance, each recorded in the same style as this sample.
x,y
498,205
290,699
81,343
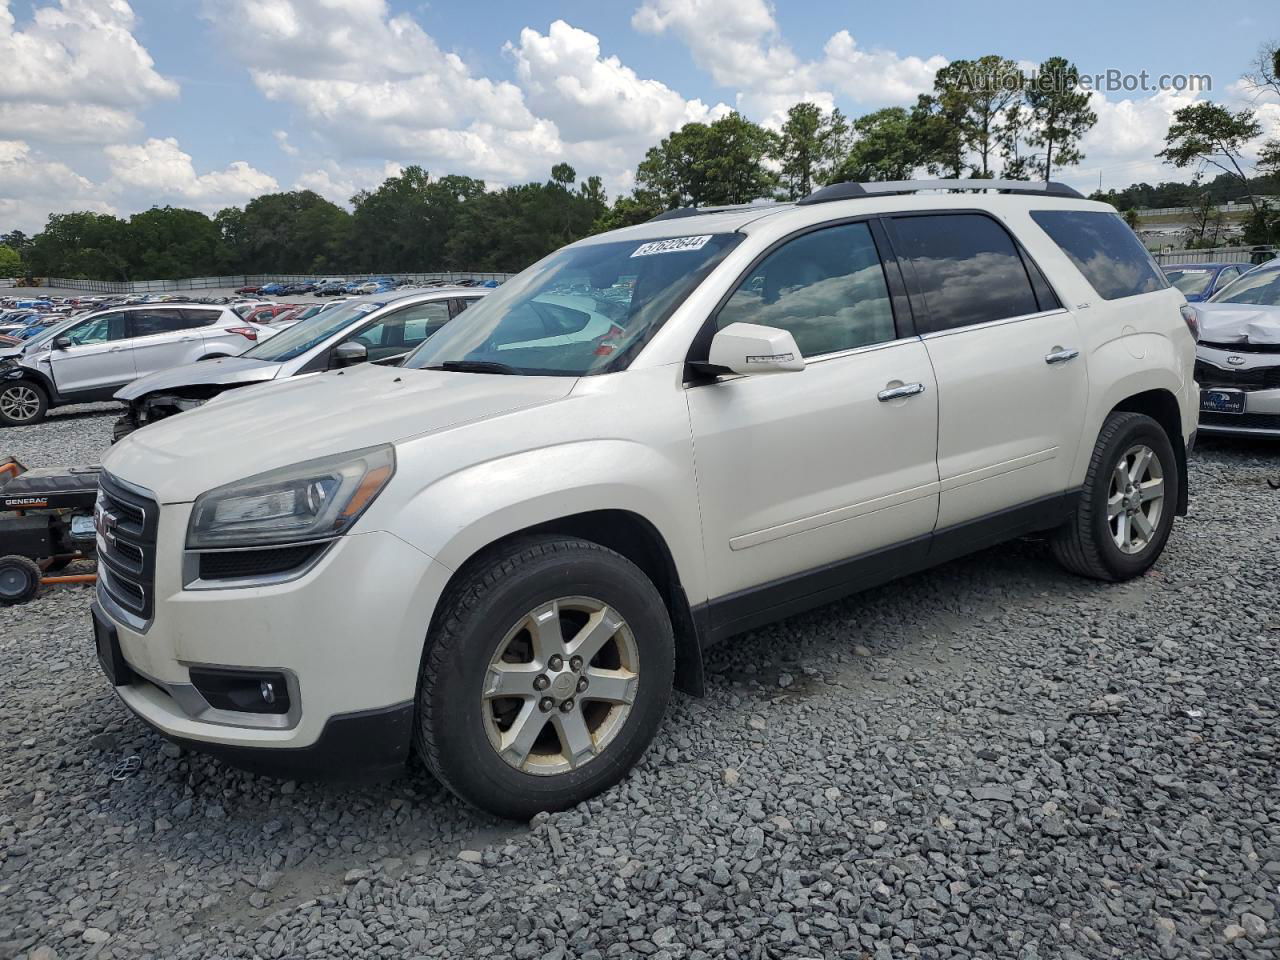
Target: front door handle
x,y
1061,355
117,350
900,393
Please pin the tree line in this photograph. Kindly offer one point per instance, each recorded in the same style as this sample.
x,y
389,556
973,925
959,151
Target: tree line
x,y
982,118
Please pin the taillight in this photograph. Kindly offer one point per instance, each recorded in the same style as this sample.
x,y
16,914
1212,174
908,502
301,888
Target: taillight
x,y
1192,318
249,333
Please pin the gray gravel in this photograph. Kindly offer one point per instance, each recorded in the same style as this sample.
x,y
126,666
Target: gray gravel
x,y
991,760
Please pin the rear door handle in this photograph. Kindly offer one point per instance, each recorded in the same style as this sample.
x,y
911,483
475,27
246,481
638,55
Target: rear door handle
x,y
117,350
1060,355
900,393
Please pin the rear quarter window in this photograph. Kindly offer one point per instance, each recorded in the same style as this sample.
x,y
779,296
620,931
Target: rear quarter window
x,y
1105,250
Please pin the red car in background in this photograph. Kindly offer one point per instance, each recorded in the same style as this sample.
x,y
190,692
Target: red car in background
x,y
268,312
251,288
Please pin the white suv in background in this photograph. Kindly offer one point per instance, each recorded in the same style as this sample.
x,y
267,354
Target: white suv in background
x,y
91,358
507,550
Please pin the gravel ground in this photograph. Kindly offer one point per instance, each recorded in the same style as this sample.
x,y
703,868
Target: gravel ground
x,y
993,759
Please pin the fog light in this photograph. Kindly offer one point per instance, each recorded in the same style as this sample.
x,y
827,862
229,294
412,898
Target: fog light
x,y
242,691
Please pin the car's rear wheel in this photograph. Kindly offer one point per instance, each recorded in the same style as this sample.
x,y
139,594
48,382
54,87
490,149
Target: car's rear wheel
x,y
546,675
19,579
22,403
1127,503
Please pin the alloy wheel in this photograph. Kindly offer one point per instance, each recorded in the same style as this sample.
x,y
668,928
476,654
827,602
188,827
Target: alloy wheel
x,y
560,686
1135,501
19,403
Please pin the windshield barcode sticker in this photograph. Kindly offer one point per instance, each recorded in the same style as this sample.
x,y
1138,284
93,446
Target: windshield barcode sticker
x,y
674,245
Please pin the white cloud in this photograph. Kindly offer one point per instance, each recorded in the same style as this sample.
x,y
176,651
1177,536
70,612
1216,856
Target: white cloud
x,y
339,184
31,185
282,141
163,171
370,83
75,73
591,97
739,43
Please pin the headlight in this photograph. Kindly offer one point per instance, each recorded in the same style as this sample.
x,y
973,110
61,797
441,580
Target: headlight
x,y
314,500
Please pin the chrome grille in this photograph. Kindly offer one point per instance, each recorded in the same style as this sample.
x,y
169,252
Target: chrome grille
x,y
126,522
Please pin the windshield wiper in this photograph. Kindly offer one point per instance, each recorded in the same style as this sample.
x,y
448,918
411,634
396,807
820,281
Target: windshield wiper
x,y
473,366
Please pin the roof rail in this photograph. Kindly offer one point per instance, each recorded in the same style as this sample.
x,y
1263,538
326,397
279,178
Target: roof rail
x,y
850,191
680,213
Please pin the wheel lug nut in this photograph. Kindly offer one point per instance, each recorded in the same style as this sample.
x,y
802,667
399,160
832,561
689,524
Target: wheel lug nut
x,y
575,664
540,682
556,662
566,706
545,704
582,684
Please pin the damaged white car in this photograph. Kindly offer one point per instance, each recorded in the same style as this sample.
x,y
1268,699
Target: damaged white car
x,y
1238,357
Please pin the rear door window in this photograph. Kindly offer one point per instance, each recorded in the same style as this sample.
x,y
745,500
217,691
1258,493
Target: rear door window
x,y
1105,250
145,323
201,318
967,270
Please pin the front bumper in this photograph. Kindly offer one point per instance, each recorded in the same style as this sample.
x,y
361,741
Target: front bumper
x,y
348,633
1245,369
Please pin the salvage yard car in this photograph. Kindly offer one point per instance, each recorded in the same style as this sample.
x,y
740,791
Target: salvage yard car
x,y
92,357
1238,358
380,328
506,558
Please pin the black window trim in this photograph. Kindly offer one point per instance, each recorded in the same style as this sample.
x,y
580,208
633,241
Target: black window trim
x,y
916,294
899,303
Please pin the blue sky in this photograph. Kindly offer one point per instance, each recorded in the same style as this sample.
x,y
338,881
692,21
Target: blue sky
x,y
117,105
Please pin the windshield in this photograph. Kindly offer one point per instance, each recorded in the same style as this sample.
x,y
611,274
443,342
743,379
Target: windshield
x,y
1261,286
1190,281
580,311
301,337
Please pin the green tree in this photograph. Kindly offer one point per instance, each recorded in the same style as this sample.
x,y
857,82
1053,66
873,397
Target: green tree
x,y
81,245
10,262
887,147
294,232
629,209
1013,129
978,95
168,242
936,127
1132,219
406,223
809,146
1060,114
708,164
1208,133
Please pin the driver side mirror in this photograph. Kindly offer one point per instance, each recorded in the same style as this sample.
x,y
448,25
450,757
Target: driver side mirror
x,y
348,354
62,343
749,348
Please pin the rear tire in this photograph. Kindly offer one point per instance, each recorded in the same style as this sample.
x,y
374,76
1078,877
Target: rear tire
x,y
19,580
580,639
1127,503
22,403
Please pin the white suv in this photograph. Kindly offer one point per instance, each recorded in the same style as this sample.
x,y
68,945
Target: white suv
x,y
90,358
506,552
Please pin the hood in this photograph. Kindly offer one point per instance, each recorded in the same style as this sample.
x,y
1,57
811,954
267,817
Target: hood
x,y
248,431
1239,323
223,371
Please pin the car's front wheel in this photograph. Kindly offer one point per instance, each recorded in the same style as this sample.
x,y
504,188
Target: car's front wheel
x,y
1127,503
546,675
22,403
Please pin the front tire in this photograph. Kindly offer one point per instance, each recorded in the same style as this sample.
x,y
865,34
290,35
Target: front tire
x,y
22,403
1127,503
546,674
